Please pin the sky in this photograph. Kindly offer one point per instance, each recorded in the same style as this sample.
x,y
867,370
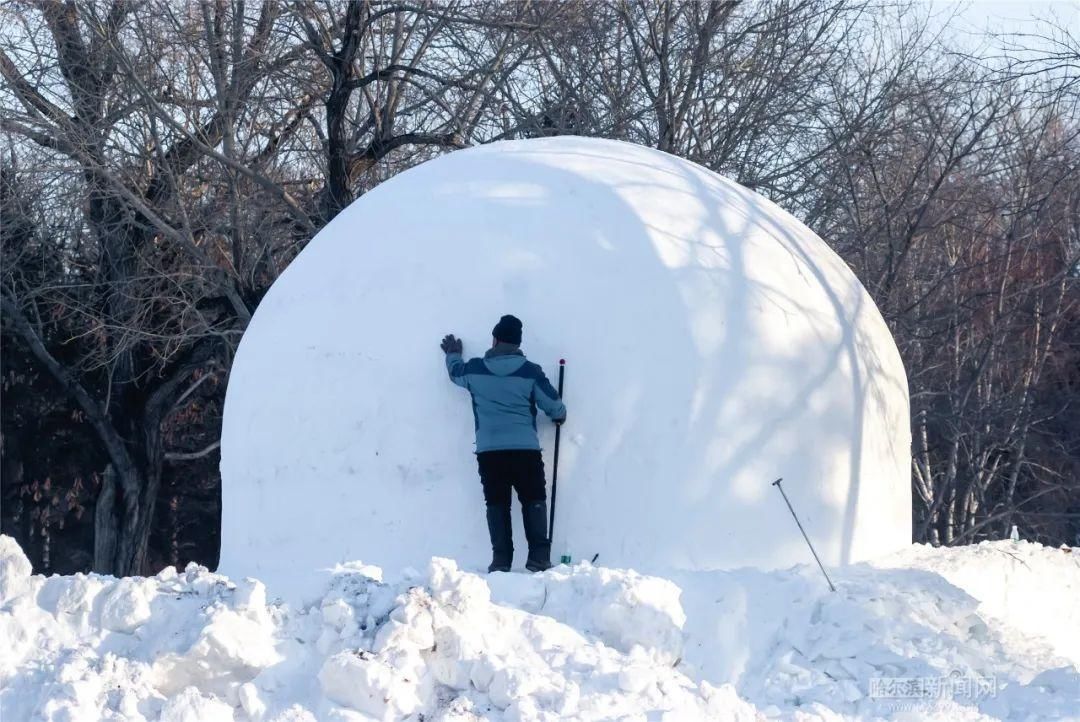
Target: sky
x,y
981,13
976,16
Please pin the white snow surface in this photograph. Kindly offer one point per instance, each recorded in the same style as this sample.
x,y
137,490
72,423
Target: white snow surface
x,y
574,643
713,344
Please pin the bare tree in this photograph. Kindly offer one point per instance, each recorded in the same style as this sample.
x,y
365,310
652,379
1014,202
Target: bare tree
x,y
404,76
146,290
956,217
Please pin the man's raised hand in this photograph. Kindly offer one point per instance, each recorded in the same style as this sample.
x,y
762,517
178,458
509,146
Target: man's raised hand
x,y
451,344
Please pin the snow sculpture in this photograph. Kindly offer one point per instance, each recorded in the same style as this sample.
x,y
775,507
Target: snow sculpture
x,y
713,344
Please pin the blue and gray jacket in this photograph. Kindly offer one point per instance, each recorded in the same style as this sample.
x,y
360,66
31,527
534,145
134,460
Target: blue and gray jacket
x,y
506,388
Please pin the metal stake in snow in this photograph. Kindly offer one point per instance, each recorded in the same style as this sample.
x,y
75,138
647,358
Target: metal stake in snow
x,y
796,517
555,461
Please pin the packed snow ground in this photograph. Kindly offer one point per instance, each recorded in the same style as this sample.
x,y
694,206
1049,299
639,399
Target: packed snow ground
x,y
976,633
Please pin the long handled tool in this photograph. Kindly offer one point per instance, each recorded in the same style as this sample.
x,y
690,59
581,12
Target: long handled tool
x,y
555,461
793,514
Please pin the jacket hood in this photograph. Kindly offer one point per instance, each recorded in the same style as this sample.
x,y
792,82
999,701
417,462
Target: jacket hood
x,y
504,359
503,349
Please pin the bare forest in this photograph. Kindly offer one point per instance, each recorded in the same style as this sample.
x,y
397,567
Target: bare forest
x,y
162,162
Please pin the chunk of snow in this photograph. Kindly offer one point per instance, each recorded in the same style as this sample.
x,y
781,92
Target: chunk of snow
x,y
190,705
127,606
15,569
368,684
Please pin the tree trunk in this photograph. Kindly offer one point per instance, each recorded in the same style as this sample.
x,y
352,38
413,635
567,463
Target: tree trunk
x,y
124,517
106,524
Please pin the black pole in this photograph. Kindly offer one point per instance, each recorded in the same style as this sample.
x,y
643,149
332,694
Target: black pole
x,y
555,461
793,514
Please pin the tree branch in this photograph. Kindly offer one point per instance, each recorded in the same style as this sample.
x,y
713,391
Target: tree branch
x,y
192,455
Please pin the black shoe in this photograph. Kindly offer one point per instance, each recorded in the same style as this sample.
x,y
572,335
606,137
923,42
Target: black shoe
x,y
502,540
534,514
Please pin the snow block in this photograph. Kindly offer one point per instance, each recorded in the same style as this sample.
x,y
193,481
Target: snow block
x,y
127,607
193,706
713,344
365,683
15,569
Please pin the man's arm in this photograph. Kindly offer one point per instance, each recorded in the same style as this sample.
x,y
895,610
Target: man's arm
x,y
547,398
455,365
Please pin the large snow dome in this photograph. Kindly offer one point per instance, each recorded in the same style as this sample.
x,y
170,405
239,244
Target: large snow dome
x,y
713,344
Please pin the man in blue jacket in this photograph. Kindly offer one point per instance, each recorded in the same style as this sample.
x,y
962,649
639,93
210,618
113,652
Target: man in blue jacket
x,y
506,390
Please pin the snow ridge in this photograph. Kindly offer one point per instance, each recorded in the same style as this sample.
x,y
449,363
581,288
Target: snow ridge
x,y
582,642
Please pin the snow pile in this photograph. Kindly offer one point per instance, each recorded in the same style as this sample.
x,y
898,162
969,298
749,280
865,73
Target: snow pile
x,y
580,642
1009,580
736,348
785,643
195,646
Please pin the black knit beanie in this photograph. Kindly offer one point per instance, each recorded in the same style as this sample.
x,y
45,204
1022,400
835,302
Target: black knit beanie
x,y
508,330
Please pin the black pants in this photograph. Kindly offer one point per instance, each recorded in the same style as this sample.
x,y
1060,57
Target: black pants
x,y
523,471
518,469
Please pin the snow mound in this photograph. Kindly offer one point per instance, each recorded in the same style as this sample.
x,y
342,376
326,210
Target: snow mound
x,y
1010,582
714,343
581,642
